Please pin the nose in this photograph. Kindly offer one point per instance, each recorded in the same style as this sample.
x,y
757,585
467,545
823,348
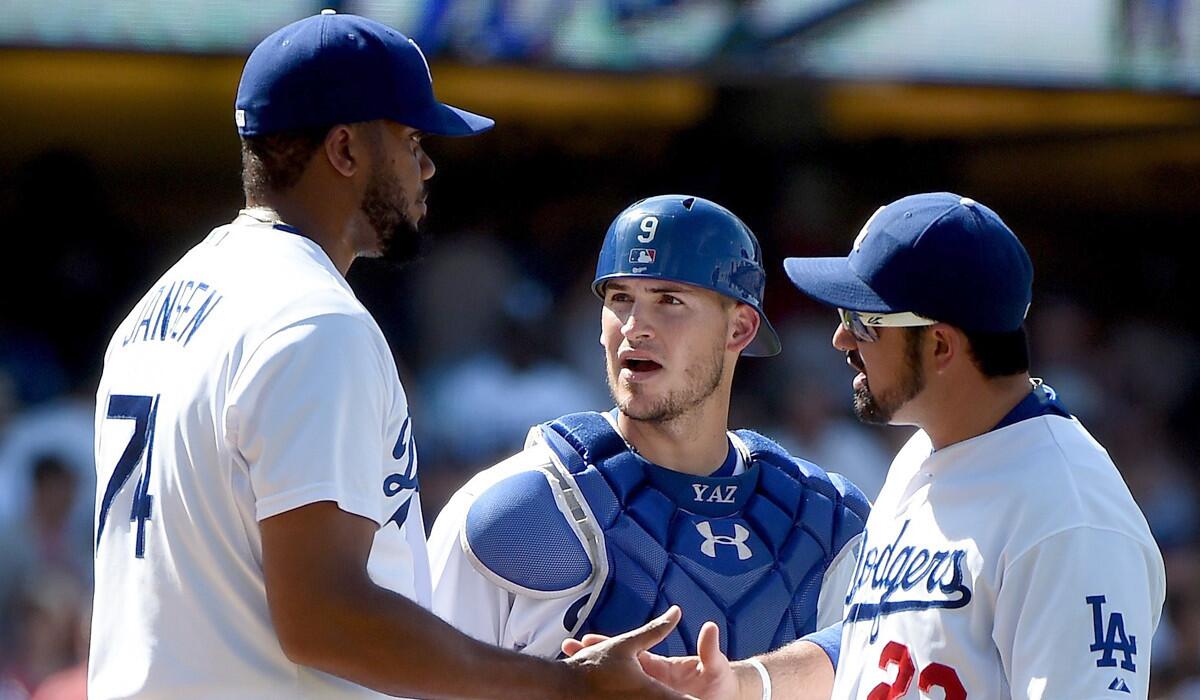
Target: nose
x,y
636,325
427,166
843,339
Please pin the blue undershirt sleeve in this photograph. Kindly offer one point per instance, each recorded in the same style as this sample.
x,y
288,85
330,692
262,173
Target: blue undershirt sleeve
x,y
830,640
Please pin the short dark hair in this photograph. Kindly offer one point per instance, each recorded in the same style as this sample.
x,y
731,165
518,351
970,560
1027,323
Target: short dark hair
x,y
1000,354
995,354
275,162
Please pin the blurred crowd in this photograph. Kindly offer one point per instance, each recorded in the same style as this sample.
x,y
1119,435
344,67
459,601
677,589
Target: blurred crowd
x,y
495,333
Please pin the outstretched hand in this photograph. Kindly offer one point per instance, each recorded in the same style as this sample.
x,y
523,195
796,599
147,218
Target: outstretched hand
x,y
708,676
611,667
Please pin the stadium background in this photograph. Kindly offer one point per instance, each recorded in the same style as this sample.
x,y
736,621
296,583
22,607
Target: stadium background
x,y
1077,120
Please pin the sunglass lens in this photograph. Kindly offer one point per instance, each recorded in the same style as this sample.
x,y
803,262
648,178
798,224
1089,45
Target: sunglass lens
x,y
853,322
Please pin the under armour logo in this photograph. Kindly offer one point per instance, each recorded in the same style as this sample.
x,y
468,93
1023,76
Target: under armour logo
x,y
709,546
1113,639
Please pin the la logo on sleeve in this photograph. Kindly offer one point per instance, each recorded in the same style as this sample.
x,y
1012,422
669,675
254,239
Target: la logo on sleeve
x,y
1111,638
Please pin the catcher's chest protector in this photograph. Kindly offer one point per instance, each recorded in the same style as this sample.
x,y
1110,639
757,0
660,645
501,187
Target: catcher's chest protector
x,y
747,551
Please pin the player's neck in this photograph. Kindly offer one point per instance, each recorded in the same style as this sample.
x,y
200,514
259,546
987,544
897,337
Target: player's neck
x,y
694,443
967,409
322,225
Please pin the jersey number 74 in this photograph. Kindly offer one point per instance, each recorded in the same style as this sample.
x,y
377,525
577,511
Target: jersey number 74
x,y
142,411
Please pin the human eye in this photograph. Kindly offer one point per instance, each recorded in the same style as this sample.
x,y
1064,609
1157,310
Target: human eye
x,y
671,300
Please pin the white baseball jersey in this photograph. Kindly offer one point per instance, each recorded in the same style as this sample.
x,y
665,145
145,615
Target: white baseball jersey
x,y
1011,565
247,382
489,612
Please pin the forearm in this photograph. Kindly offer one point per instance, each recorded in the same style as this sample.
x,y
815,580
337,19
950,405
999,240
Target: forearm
x,y
381,640
799,671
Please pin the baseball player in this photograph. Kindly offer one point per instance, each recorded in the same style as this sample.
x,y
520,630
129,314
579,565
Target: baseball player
x,y
1004,557
258,528
606,519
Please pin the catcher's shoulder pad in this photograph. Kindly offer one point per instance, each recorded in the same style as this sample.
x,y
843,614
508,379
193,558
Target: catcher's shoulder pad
x,y
833,509
855,505
519,535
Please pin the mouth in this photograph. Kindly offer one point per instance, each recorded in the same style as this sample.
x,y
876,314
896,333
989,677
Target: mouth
x,y
855,361
637,369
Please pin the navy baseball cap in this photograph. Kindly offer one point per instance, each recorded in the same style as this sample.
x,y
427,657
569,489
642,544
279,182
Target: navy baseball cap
x,y
339,69
940,255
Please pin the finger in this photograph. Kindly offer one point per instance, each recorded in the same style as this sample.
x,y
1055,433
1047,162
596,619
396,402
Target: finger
x,y
593,639
650,633
652,663
708,646
571,647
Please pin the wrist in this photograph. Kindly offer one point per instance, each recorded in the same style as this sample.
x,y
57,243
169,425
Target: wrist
x,y
749,682
566,682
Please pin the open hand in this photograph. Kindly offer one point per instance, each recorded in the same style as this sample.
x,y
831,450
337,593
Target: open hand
x,y
708,676
611,667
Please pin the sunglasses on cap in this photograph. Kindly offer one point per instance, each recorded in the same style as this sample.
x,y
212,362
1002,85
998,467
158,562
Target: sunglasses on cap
x,y
864,325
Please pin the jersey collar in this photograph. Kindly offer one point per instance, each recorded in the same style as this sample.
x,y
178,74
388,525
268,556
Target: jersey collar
x,y
736,460
1041,401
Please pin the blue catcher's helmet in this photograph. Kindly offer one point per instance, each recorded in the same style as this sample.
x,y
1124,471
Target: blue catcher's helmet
x,y
691,240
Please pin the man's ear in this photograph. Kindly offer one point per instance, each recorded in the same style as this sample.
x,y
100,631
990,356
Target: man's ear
x,y
949,343
743,326
343,149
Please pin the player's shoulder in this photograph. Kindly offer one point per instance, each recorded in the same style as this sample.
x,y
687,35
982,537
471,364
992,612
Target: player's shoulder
x,y
1062,479
517,527
257,279
274,270
1056,451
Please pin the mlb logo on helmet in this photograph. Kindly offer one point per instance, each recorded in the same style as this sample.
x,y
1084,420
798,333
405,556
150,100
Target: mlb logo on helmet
x,y
641,256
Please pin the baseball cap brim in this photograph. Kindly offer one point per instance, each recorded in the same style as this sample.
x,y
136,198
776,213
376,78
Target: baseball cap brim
x,y
766,342
831,281
444,120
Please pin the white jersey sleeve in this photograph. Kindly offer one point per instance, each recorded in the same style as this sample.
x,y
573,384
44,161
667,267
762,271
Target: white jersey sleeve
x,y
293,415
1070,622
831,602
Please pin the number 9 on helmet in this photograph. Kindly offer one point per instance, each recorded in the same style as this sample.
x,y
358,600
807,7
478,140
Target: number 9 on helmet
x,y
691,240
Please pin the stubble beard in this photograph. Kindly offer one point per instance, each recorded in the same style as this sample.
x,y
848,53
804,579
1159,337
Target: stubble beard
x,y
880,409
676,404
385,205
